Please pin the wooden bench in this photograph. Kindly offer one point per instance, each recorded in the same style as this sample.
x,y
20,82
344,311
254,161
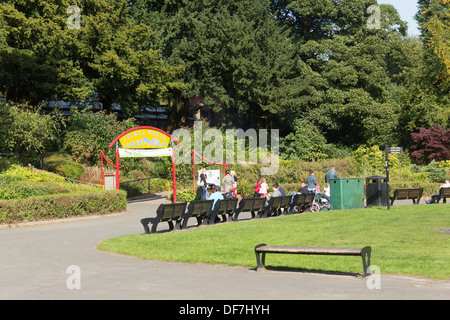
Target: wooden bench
x,y
253,205
166,213
276,206
199,209
407,194
222,208
444,193
301,200
262,249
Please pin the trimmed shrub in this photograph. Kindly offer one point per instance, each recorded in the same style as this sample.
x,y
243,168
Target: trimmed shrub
x,y
63,167
62,206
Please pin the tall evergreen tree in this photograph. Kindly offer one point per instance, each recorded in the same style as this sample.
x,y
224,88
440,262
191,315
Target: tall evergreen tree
x,y
238,59
107,56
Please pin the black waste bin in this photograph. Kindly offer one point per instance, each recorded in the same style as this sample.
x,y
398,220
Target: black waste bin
x,y
376,191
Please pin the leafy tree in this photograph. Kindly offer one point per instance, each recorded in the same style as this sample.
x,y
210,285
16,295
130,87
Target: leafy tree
x,y
425,96
433,18
23,130
87,133
33,61
354,67
431,144
109,56
305,143
237,59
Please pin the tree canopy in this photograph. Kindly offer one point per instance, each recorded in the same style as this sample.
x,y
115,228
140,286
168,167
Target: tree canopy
x,y
345,67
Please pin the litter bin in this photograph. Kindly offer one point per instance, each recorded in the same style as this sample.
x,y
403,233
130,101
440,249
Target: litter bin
x,y
347,193
376,191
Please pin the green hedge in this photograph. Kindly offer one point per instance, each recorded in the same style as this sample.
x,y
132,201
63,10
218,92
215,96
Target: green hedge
x,y
62,206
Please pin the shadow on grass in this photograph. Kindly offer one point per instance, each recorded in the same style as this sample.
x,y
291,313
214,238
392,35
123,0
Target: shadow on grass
x,y
311,271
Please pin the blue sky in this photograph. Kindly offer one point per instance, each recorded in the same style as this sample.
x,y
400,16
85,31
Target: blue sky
x,y
407,10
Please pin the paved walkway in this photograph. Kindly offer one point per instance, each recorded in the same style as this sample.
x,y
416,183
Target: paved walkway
x,y
34,260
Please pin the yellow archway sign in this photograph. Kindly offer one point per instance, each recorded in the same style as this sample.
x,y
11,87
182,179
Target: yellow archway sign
x,y
145,139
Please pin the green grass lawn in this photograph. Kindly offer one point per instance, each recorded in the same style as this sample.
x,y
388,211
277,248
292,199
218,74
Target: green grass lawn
x,y
406,240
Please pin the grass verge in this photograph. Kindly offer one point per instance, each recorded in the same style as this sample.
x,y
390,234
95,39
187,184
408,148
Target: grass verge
x,y
406,240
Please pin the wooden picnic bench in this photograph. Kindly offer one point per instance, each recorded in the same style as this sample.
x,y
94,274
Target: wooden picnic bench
x,y
444,193
200,209
276,206
262,249
407,194
253,205
166,213
301,200
222,208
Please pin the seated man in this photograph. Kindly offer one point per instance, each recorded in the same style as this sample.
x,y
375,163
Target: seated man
x,y
228,193
436,198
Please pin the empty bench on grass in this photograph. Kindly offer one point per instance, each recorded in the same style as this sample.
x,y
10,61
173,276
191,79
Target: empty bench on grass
x,y
276,206
407,194
263,249
444,193
166,213
253,205
201,210
301,200
222,208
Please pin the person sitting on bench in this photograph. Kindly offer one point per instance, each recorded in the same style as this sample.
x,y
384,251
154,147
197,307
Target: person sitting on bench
x,y
216,195
436,197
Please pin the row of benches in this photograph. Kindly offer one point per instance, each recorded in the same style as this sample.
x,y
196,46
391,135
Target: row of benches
x,y
228,210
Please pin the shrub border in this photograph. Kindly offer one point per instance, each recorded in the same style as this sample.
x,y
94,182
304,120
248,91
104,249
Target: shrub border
x,y
61,206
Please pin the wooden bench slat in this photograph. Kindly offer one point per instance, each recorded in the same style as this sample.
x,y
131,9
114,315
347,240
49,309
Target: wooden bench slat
x,y
310,250
262,249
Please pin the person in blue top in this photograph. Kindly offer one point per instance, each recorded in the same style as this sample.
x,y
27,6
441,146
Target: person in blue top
x,y
311,181
331,174
216,195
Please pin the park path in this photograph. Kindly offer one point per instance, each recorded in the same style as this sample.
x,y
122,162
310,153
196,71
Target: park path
x,y
34,259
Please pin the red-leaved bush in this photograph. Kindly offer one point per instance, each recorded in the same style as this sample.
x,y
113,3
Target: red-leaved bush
x,y
429,144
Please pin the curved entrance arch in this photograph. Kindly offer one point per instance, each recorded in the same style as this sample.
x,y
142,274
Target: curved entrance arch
x,y
140,141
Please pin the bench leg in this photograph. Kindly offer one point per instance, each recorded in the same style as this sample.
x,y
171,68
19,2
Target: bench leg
x,y
178,225
365,254
260,260
145,223
170,225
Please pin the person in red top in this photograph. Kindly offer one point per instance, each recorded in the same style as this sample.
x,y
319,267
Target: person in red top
x,y
257,189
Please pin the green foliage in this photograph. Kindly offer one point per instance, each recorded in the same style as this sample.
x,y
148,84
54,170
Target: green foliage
x,y
62,206
433,171
305,143
63,167
109,56
19,173
186,195
25,130
88,133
